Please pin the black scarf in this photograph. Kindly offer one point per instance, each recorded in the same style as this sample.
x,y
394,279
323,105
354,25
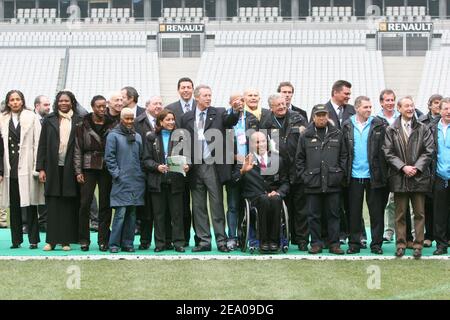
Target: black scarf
x,y
129,133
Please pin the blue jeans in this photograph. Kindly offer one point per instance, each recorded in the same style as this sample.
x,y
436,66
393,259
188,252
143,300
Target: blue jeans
x,y
122,233
233,198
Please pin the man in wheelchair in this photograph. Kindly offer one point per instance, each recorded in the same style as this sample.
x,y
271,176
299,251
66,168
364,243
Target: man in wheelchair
x,y
265,185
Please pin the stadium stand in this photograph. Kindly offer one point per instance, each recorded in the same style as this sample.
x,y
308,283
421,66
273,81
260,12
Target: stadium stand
x,y
310,37
436,75
312,70
336,14
33,71
261,14
407,13
74,38
99,71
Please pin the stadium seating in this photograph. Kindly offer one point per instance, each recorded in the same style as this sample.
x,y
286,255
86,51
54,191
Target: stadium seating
x,y
33,71
178,15
99,71
110,15
408,13
75,38
291,37
336,14
436,75
261,14
312,70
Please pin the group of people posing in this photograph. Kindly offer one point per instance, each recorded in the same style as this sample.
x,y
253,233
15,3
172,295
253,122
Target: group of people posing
x,y
160,166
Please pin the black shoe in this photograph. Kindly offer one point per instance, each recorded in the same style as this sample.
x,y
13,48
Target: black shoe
x,y
144,246
363,244
353,250
24,229
103,247
201,248
400,252
15,246
169,246
376,250
417,253
303,246
273,246
315,250
336,250
265,247
128,249
223,248
440,251
33,246
180,249
159,249
84,247
93,228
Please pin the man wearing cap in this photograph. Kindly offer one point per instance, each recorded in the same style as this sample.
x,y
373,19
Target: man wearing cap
x,y
321,162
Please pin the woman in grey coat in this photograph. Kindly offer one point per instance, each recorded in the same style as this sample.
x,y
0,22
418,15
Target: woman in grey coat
x,y
123,159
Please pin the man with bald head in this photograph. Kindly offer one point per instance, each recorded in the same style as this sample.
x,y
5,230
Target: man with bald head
x,y
252,103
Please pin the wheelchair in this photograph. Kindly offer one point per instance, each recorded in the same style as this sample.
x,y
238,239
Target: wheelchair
x,y
248,228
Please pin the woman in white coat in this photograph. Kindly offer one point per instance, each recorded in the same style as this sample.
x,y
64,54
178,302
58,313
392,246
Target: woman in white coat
x,y
20,186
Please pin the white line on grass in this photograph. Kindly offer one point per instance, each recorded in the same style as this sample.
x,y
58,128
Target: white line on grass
x,y
214,257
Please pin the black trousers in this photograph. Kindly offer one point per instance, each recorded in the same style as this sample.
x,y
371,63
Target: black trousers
x,y
269,218
376,200
92,178
441,216
168,206
144,214
15,217
429,217
324,205
298,217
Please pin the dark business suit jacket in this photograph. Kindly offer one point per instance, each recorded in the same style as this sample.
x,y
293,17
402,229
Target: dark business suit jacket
x,y
348,111
216,118
301,111
178,109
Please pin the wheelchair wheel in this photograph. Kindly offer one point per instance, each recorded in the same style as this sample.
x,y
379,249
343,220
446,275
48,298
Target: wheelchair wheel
x,y
245,227
285,229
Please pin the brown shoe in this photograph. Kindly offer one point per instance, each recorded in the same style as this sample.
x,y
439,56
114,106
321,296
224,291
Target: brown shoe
x,y
315,250
336,250
66,248
417,253
400,252
48,247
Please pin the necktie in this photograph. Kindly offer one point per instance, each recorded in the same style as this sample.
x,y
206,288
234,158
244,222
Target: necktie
x,y
340,113
262,164
201,121
201,126
407,129
187,108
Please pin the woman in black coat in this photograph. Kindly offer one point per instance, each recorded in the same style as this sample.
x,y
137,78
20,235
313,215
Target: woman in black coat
x,y
56,169
166,188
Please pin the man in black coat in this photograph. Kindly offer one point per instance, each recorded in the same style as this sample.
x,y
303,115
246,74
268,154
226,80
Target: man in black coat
x,y
321,163
186,103
284,128
265,184
206,126
366,167
286,89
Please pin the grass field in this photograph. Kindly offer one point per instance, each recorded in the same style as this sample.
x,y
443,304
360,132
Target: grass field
x,y
191,279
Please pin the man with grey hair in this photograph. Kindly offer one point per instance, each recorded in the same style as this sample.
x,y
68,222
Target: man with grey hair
x,y
408,148
145,123
366,167
115,106
284,127
42,106
210,169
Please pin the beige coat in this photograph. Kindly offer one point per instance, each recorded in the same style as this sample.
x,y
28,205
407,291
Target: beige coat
x,y
31,190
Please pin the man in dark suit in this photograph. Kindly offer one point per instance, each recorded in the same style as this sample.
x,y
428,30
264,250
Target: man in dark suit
x,y
186,103
286,89
206,126
339,110
130,100
143,124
